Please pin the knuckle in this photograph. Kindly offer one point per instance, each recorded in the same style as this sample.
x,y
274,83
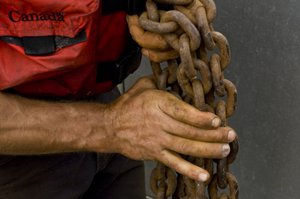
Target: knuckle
x,y
224,134
183,147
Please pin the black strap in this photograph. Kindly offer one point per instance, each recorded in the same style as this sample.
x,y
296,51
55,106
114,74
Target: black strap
x,y
117,71
44,45
39,45
131,7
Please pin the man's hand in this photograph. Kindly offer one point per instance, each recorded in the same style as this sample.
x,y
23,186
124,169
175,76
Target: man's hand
x,y
155,125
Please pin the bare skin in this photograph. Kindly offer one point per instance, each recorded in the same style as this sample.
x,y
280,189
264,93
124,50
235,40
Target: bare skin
x,y
144,124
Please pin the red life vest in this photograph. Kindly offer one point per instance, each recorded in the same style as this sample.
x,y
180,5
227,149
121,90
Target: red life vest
x,y
83,39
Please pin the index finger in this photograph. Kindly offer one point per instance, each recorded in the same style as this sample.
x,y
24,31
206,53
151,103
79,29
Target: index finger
x,y
182,166
160,56
183,112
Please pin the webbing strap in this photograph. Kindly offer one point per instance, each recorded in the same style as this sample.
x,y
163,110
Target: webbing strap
x,y
131,7
44,45
117,71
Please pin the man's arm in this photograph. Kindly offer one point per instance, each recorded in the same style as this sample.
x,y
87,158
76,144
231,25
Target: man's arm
x,y
38,127
144,123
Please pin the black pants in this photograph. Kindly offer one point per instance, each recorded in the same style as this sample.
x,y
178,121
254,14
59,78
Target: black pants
x,y
72,176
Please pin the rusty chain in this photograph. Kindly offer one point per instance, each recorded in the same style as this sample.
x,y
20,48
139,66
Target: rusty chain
x,y
197,77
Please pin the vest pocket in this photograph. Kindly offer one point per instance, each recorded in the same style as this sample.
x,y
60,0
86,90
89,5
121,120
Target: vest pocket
x,y
43,39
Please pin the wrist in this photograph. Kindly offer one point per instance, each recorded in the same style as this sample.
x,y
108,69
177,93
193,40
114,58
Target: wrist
x,y
100,135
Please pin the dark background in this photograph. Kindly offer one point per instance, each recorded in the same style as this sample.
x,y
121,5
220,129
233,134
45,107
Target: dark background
x,y
264,36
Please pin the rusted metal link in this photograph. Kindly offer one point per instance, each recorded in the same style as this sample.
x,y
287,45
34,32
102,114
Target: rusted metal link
x,y
211,9
209,167
156,179
172,68
161,177
199,100
177,89
161,192
193,90
202,54
233,187
210,100
163,181
216,72
190,10
213,188
221,112
186,58
231,97
174,2
222,169
180,191
197,14
205,74
195,190
189,187
162,80
156,69
152,11
224,48
234,149
224,196
200,162
184,82
171,182
188,27
200,191
208,108
187,13
196,76
157,27
203,26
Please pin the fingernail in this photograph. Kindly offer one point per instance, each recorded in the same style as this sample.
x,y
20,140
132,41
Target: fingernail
x,y
216,122
203,177
231,135
226,150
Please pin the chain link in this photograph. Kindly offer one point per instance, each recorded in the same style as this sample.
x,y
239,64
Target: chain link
x,y
197,77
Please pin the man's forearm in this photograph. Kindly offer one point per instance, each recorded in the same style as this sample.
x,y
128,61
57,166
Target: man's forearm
x,y
39,127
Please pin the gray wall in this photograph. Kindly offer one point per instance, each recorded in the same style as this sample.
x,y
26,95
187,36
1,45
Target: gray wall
x,y
265,41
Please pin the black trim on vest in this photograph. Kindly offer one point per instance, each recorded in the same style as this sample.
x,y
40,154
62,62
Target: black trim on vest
x,y
131,7
44,45
117,71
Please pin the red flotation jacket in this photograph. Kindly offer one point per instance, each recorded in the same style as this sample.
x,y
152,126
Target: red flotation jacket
x,y
58,48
